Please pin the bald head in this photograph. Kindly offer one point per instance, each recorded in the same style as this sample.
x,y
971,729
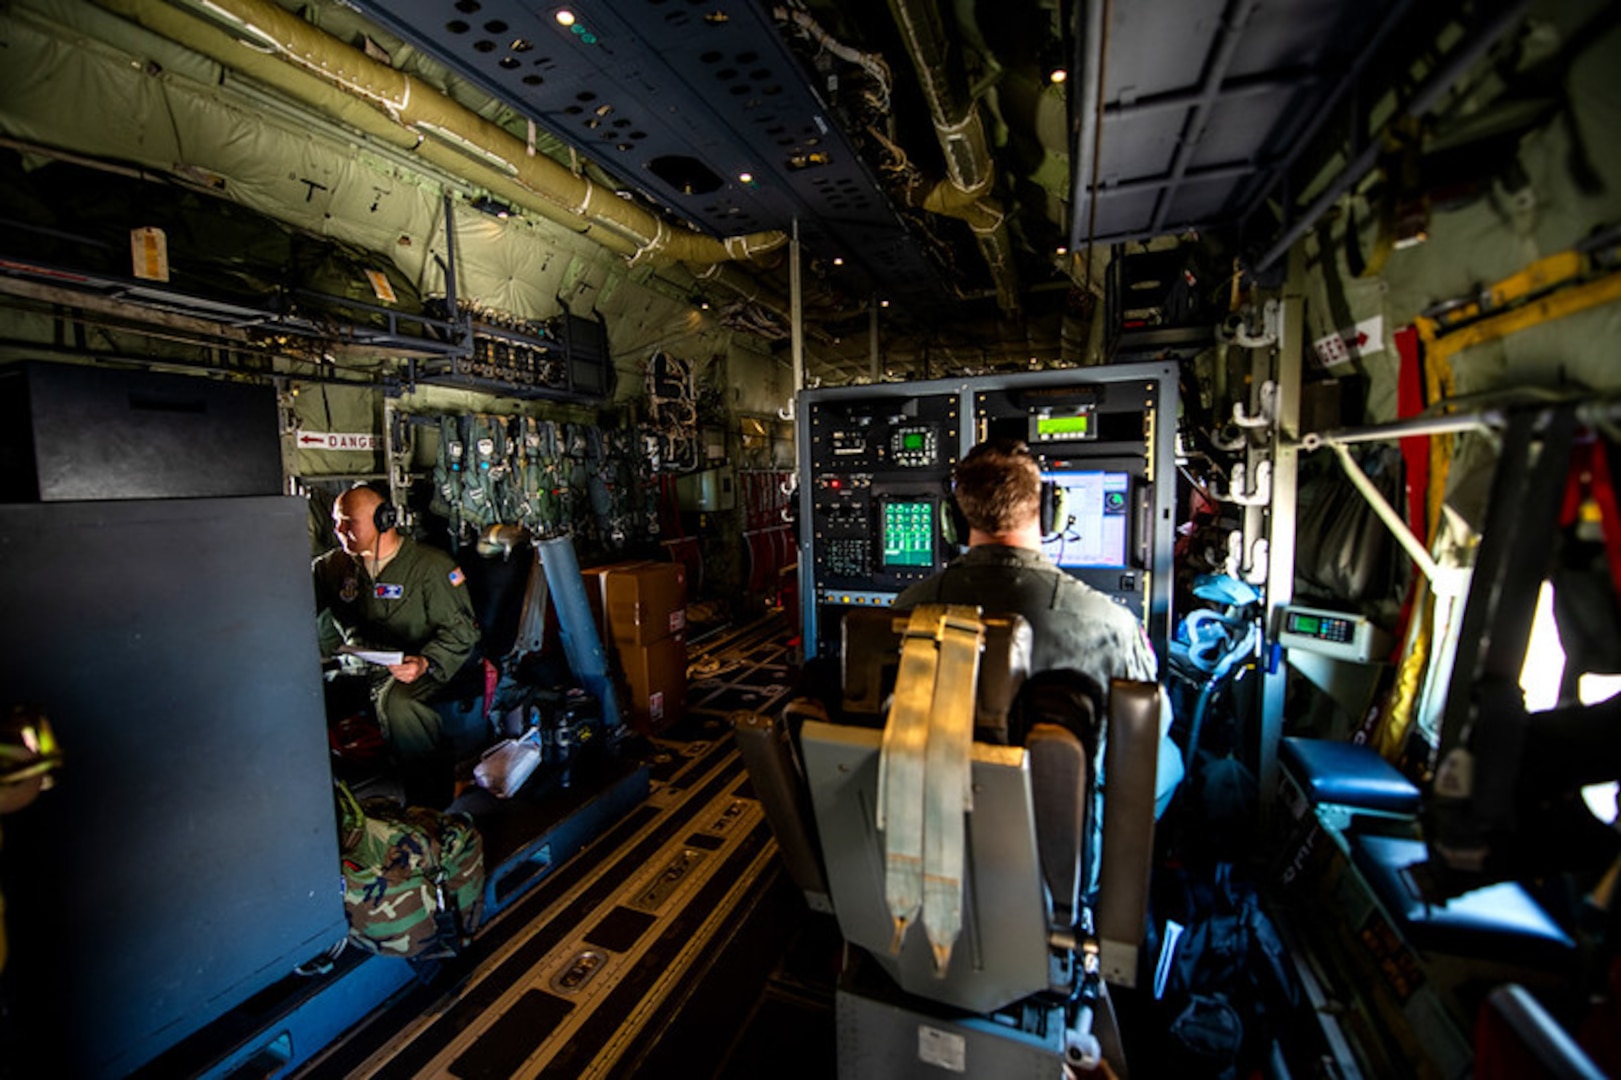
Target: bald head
x,y
360,500
354,521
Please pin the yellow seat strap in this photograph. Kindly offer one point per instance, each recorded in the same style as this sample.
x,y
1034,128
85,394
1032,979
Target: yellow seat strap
x,y
948,792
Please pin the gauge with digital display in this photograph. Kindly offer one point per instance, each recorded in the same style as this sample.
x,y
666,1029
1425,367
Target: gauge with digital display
x,y
914,446
1077,425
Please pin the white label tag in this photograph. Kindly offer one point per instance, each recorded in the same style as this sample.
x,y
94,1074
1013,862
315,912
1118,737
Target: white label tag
x,y
149,254
1363,339
942,1048
655,705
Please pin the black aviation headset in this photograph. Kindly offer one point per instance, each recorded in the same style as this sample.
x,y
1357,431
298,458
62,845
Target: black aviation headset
x,y
386,516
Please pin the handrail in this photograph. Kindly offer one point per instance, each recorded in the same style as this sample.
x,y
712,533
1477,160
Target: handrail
x,y
1591,413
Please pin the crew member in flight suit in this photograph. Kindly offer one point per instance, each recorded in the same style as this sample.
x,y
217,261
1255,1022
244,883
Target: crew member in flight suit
x,y
385,591
1004,571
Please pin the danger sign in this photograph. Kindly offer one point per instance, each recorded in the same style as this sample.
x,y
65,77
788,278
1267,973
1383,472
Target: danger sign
x,y
337,440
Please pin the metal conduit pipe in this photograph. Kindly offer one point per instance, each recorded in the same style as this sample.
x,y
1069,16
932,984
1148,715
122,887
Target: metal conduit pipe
x,y
749,288
965,193
276,47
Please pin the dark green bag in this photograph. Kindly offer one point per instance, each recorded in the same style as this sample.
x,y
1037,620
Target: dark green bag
x,y
413,878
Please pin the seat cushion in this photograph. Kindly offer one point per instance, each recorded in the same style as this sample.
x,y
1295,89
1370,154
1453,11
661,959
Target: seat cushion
x,y
1349,774
1499,922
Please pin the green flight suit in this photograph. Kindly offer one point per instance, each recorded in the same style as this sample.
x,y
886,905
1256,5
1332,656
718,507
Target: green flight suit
x,y
1071,625
418,605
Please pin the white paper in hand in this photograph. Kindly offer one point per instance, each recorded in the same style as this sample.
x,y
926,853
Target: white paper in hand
x,y
382,657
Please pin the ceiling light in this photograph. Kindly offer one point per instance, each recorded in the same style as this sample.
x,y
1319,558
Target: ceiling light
x,y
565,17
838,260
883,303
746,177
1062,250
1057,75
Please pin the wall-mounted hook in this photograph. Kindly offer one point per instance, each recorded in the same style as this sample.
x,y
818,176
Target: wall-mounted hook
x,y
1259,495
1233,565
1258,569
1253,569
1268,408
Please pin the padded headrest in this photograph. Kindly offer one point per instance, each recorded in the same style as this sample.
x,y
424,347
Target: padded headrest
x,y
1062,697
870,655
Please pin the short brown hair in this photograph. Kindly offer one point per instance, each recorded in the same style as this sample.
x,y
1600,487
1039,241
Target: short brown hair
x,y
998,485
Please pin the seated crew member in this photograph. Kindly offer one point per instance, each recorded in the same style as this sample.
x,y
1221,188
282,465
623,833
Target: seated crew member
x,y
998,488
1004,571
385,591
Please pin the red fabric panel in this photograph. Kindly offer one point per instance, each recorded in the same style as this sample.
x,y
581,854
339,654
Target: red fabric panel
x,y
1410,402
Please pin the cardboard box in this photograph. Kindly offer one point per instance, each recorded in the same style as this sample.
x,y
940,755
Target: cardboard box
x,y
596,593
656,674
645,602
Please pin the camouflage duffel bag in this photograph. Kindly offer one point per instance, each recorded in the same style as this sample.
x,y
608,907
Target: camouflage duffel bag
x,y
413,878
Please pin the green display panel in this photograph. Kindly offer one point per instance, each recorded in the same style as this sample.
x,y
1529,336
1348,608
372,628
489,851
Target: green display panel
x,y
909,533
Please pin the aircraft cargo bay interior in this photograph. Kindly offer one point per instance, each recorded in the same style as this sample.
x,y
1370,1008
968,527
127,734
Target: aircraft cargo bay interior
x,y
726,538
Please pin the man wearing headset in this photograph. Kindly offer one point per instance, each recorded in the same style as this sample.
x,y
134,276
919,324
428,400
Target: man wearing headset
x,y
1072,626
998,489
385,591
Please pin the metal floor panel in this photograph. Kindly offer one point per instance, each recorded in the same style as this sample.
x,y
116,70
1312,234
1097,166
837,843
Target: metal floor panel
x,y
748,670
574,981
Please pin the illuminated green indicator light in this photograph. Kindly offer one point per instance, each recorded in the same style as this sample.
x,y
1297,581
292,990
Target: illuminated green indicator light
x,y
1064,425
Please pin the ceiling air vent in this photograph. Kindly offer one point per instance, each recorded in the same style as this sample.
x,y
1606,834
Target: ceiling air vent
x,y
687,175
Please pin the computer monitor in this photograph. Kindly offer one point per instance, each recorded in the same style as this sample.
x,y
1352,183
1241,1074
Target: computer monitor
x,y
908,532
1091,518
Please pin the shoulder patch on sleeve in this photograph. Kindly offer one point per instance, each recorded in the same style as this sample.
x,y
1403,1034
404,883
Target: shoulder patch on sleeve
x,y
457,577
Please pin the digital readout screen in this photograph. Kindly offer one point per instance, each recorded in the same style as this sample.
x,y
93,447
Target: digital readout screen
x,y
908,533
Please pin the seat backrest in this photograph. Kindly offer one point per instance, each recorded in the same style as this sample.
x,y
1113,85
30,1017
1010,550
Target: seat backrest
x,y
1002,954
870,654
1130,783
1025,833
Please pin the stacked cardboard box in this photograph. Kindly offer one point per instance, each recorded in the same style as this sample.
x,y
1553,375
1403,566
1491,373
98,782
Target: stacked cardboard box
x,y
641,612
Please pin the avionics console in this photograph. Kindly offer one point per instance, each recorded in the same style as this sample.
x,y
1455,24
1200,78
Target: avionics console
x,y
878,478
876,464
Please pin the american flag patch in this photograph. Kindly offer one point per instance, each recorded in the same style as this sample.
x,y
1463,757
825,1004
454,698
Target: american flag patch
x,y
457,577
